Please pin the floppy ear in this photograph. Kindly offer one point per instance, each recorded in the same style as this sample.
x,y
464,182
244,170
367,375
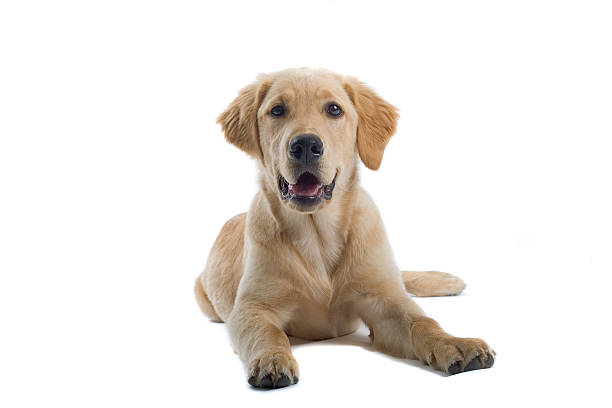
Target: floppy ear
x,y
376,122
239,119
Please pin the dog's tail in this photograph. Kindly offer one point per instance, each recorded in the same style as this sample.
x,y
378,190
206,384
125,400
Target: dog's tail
x,y
204,302
432,283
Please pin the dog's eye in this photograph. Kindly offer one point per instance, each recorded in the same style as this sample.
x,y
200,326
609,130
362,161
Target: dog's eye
x,y
334,110
278,111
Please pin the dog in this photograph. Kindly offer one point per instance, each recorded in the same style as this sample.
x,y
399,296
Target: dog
x,y
310,258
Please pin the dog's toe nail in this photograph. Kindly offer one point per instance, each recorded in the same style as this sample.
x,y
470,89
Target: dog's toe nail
x,y
474,364
266,382
455,368
253,381
295,380
283,381
489,362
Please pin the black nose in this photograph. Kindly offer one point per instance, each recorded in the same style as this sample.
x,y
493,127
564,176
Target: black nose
x,y
306,148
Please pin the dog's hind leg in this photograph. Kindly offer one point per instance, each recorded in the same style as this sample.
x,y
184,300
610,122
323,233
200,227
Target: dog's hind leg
x,y
216,287
432,283
204,302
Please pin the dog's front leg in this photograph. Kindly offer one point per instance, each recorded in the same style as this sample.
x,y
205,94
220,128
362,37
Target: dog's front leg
x,y
399,327
256,331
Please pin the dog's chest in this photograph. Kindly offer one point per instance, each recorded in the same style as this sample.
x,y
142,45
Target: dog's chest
x,y
320,246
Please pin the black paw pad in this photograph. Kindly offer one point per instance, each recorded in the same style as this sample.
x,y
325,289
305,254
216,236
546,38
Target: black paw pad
x,y
455,368
253,381
283,381
490,361
268,382
473,365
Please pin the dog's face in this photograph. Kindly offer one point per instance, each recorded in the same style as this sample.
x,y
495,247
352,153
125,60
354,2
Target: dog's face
x,y
306,126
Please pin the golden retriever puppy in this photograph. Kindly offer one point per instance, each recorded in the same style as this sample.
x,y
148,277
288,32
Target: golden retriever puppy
x,y
310,258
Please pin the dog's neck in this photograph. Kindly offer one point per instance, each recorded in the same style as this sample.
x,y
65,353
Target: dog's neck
x,y
323,232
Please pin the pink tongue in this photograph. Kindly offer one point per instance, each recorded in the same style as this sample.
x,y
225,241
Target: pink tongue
x,y
307,185
307,190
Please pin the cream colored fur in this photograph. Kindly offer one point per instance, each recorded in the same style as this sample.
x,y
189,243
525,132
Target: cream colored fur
x,y
278,271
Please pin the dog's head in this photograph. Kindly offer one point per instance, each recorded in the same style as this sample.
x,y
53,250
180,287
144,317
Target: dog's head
x,y
306,127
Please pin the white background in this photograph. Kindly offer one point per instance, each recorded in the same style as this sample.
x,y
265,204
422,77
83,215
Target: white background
x,y
115,179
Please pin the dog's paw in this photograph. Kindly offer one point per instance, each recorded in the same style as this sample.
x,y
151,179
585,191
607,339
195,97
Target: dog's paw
x,y
276,370
456,355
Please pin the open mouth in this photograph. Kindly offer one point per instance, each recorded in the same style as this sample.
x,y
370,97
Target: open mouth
x,y
308,188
